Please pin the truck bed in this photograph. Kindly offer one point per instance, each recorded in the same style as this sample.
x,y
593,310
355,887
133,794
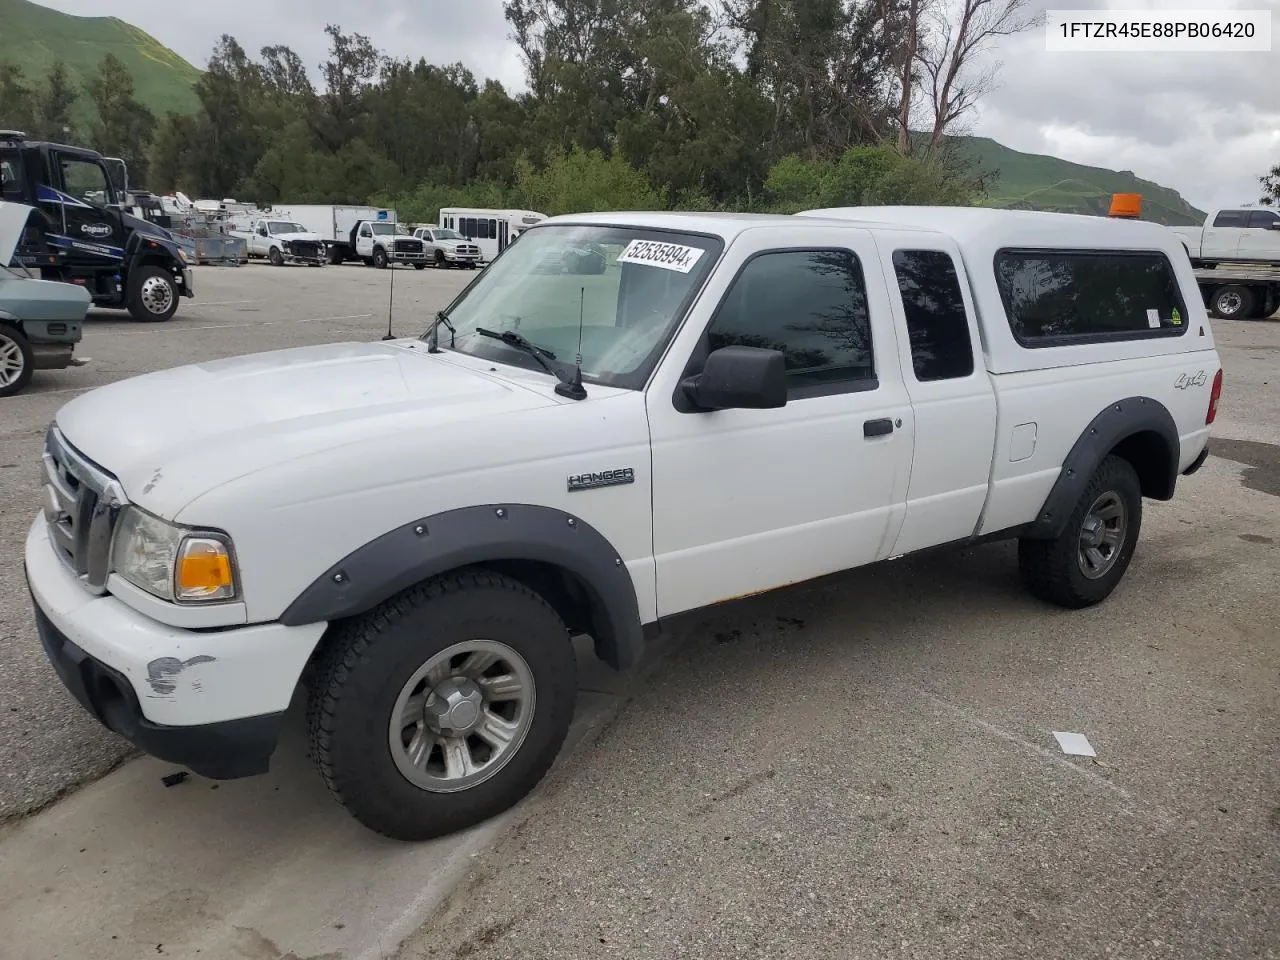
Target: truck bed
x,y
1238,272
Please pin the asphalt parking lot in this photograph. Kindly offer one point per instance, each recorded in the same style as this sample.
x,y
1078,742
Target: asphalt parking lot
x,y
860,767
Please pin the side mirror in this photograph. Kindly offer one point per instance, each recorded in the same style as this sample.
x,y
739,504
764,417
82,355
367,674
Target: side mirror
x,y
743,378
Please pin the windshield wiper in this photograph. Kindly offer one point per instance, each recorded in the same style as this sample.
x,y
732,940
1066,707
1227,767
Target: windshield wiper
x,y
433,345
567,386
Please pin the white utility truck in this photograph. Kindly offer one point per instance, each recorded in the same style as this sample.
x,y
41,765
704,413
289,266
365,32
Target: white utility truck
x,y
491,229
414,529
381,244
1242,235
336,224
283,241
448,248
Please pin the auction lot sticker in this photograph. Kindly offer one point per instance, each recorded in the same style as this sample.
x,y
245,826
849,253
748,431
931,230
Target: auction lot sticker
x,y
668,256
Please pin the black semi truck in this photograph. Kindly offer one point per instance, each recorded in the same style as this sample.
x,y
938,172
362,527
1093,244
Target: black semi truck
x,y
124,262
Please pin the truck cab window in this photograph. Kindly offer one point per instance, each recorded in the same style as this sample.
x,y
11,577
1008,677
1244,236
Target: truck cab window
x,y
86,180
937,324
1231,218
812,306
1263,218
10,184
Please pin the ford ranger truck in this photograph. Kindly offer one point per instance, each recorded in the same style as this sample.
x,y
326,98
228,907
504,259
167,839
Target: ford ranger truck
x,y
415,529
1249,235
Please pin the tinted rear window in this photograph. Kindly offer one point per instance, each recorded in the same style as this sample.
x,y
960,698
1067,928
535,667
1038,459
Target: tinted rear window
x,y
937,324
1060,297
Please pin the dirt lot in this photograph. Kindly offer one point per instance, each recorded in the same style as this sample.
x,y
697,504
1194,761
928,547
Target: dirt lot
x,y
862,767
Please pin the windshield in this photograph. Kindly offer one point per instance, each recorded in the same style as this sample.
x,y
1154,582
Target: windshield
x,y
384,229
284,226
446,234
628,286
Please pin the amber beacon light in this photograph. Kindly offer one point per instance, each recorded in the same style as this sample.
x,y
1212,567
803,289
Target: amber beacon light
x,y
1126,205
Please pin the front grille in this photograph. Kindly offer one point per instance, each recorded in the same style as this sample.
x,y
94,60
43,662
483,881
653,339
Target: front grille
x,y
306,248
81,505
408,246
468,251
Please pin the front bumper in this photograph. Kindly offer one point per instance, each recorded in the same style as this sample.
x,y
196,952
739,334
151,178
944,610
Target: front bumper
x,y
407,256
211,700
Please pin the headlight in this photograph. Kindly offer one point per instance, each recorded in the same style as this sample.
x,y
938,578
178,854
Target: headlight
x,y
182,255
287,244
173,563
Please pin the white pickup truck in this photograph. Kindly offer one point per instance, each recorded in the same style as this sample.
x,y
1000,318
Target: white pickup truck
x,y
448,248
1246,235
283,241
381,244
414,529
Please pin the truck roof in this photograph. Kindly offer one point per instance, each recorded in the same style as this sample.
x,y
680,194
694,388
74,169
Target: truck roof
x,y
983,227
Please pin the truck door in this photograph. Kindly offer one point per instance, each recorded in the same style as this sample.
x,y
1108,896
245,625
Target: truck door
x,y
951,395
1260,240
364,240
1222,237
78,199
748,500
503,238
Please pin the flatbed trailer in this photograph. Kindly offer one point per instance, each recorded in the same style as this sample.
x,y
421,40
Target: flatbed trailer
x,y
1240,291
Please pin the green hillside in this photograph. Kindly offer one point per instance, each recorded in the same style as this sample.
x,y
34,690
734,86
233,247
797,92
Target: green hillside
x,y
33,37
1029,181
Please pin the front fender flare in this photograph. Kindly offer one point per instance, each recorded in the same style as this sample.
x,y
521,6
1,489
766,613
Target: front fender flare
x,y
490,533
1119,421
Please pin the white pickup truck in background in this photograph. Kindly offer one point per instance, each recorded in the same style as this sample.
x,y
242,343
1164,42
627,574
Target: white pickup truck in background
x,y
709,406
284,241
1243,235
448,248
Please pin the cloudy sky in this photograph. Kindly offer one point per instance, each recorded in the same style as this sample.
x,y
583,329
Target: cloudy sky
x,y
1206,124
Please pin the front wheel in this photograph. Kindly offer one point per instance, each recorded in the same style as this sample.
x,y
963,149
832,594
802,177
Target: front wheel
x,y
419,266
153,296
276,257
380,258
444,706
1084,563
16,361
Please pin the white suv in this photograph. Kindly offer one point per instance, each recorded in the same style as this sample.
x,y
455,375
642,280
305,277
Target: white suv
x,y
415,528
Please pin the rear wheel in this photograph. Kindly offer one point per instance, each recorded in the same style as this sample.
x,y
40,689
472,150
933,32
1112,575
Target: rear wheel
x,y
1084,563
444,706
1232,302
16,362
153,296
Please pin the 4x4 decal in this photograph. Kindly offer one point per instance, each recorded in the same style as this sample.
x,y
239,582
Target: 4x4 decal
x,y
1183,382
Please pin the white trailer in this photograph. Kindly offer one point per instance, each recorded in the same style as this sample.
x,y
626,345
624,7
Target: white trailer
x,y
336,224
491,230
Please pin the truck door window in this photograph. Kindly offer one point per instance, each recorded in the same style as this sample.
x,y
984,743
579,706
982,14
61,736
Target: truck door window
x,y
1058,297
10,174
1262,218
86,180
1231,218
937,324
812,306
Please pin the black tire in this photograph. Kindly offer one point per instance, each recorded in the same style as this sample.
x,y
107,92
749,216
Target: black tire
x,y
1053,571
439,259
1232,302
367,666
145,303
276,257
419,266
16,362
335,256
380,258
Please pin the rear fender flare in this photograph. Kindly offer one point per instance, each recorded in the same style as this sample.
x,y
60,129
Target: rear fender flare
x,y
1118,422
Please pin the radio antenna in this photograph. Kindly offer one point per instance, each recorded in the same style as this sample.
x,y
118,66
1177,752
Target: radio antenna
x,y
574,389
392,298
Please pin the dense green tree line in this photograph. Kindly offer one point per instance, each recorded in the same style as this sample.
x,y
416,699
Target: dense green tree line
x,y
739,104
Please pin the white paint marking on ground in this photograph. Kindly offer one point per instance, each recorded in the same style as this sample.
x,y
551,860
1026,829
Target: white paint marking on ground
x,y
260,323
1047,754
221,303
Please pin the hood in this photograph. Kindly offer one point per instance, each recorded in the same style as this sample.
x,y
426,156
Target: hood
x,y
146,226
313,237
455,243
170,436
